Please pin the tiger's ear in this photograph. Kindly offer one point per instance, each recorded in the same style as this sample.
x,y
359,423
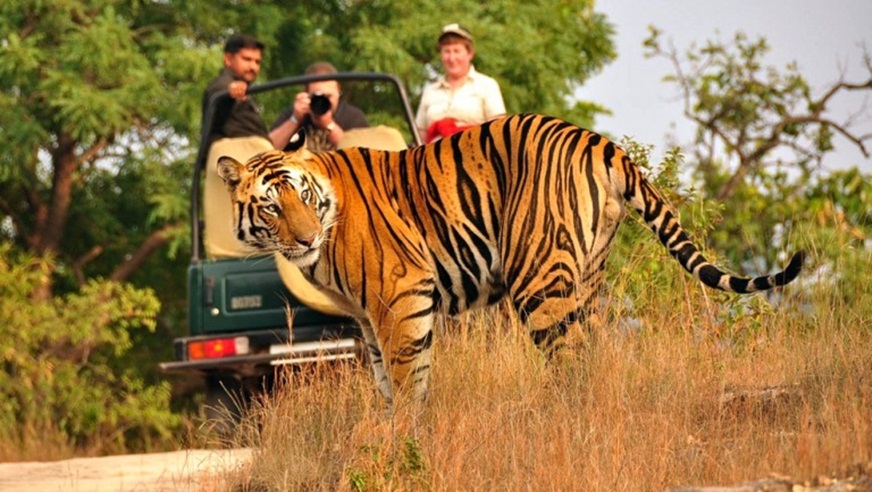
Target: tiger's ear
x,y
230,170
297,141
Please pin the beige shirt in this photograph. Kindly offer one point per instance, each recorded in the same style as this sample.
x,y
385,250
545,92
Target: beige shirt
x,y
478,100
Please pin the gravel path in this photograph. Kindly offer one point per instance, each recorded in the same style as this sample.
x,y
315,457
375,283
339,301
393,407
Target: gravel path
x,y
188,470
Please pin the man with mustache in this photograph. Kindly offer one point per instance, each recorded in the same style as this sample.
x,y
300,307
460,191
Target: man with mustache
x,y
237,130
237,115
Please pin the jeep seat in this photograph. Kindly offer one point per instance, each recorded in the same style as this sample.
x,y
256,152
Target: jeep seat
x,y
220,242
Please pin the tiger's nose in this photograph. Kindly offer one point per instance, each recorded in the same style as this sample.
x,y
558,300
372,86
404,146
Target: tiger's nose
x,y
306,241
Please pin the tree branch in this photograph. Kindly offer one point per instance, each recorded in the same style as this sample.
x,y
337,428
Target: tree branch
x,y
92,152
747,143
735,180
79,264
775,136
152,243
65,165
836,88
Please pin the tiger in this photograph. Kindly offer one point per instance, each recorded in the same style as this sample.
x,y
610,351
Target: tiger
x,y
525,206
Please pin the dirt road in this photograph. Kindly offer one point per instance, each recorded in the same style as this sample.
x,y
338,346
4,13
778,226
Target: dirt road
x,y
189,470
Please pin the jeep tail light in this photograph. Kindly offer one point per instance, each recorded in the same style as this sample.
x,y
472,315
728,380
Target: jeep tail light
x,y
217,348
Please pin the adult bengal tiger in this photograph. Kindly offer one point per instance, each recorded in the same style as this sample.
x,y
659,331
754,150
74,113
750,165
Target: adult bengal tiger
x,y
525,206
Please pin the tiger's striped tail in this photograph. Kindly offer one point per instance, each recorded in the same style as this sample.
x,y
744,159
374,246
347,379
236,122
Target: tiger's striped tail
x,y
660,217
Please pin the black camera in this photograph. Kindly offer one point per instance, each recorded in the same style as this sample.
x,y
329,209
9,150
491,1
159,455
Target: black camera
x,y
319,104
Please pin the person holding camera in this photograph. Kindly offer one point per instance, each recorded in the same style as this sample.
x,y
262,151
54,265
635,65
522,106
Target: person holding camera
x,y
462,97
320,111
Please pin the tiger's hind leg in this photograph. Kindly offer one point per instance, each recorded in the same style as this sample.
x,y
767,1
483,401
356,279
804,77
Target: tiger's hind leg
x,y
406,343
557,323
562,333
376,361
403,327
562,315
555,279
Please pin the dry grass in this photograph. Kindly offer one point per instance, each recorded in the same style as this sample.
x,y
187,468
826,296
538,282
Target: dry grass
x,y
670,402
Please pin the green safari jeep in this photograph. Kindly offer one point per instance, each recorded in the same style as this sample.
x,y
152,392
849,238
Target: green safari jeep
x,y
248,314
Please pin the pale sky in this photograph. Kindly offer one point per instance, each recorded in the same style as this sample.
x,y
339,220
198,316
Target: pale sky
x,y
823,37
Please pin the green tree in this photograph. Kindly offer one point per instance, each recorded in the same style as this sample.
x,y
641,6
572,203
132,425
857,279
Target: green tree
x,y
750,116
97,109
99,91
761,134
61,382
86,87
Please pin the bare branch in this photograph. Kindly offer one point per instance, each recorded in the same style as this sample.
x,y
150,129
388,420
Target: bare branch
x,y
799,149
712,126
151,244
858,141
92,152
820,104
735,180
79,264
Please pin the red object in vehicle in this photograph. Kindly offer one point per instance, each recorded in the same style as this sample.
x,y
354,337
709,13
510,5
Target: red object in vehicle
x,y
444,128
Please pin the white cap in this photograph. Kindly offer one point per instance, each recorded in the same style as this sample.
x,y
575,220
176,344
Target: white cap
x,y
456,29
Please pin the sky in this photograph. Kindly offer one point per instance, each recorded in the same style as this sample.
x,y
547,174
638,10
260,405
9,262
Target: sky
x,y
824,38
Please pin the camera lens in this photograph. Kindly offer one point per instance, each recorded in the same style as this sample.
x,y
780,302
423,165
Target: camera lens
x,y
319,104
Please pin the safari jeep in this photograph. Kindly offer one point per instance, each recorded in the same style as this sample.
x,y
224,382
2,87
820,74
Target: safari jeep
x,y
247,314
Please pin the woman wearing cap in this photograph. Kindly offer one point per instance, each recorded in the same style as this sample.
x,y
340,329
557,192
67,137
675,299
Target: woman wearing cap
x,y
462,97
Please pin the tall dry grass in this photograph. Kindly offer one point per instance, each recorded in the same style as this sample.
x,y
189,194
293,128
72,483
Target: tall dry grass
x,y
674,396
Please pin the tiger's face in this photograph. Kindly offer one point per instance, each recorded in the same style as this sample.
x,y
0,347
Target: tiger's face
x,y
279,206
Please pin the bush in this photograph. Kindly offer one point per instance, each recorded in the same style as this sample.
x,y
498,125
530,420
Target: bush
x,y
58,384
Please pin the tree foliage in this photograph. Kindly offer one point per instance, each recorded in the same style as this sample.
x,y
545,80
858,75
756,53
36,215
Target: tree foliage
x,y
62,379
537,65
761,133
102,90
88,87
750,116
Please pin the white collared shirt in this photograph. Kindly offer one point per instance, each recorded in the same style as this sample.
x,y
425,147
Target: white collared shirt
x,y
478,100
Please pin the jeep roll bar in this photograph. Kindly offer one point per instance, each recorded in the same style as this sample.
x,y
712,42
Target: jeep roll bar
x,y
209,114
